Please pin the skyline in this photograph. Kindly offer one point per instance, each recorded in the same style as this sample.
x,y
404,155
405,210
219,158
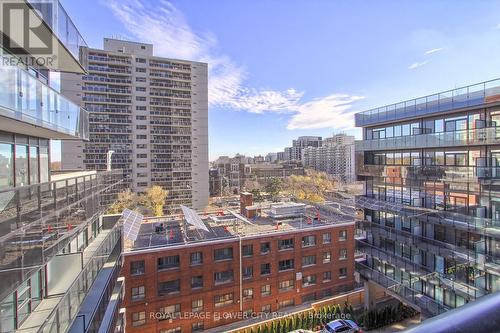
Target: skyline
x,y
257,104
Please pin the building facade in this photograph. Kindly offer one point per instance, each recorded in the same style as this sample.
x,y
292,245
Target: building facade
x,y
430,168
294,153
335,157
54,243
148,116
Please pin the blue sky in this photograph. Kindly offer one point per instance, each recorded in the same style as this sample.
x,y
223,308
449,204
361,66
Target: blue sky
x,y
280,69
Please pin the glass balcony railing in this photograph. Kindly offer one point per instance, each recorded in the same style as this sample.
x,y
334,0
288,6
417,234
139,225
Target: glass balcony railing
x,y
37,221
25,98
473,95
474,137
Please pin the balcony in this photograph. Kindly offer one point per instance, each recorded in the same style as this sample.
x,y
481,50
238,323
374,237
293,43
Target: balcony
x,y
38,221
33,108
472,137
456,99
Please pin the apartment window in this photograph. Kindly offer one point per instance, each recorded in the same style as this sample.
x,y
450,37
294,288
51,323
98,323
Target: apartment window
x,y
265,290
141,108
223,277
140,60
140,79
327,238
197,327
170,311
169,287
247,294
343,235
222,300
171,330
168,262
197,305
142,174
247,250
196,258
308,260
308,241
142,184
286,303
285,244
327,257
141,136
265,248
285,264
137,267
342,272
247,272
140,88
223,254
141,127
138,318
308,297
140,70
197,281
142,146
140,98
342,254
286,285
265,269
266,308
142,165
138,293
308,280
327,276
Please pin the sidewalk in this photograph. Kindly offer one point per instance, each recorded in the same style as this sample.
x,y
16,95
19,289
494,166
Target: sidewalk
x,y
398,327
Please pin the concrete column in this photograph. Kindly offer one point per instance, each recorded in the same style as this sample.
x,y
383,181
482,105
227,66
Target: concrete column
x,y
370,295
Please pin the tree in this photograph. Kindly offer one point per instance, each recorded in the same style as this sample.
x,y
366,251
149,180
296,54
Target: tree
x,y
154,199
126,199
273,188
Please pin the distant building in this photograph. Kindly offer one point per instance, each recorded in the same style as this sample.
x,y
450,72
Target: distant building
x,y
272,157
335,157
294,153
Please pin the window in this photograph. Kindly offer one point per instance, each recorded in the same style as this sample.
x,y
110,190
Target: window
x,y
141,108
6,166
285,244
137,267
222,300
142,184
308,241
308,280
21,170
140,60
170,311
168,262
247,293
266,308
308,260
247,250
140,79
247,272
140,137
196,258
142,165
197,281
265,269
327,238
140,88
327,276
342,235
286,303
197,305
327,257
223,277
141,127
265,248
138,318
142,146
265,290
223,254
196,327
140,98
169,287
138,293
342,254
286,285
140,70
171,330
142,174
342,272
34,165
286,264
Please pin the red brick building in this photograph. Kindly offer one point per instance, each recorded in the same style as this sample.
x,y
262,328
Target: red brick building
x,y
185,280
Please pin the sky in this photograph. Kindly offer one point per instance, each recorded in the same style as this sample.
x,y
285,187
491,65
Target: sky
x,y
279,69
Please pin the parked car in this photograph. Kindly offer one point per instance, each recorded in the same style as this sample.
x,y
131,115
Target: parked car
x,y
342,325
301,331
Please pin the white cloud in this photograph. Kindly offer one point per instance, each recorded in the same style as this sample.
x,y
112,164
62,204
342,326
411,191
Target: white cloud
x,y
498,26
333,111
164,26
434,50
418,64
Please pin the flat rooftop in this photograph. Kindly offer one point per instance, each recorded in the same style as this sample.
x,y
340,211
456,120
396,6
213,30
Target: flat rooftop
x,y
155,232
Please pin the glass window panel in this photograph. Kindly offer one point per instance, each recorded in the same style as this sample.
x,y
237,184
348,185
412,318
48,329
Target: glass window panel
x,y
44,164
6,165
34,175
21,165
397,130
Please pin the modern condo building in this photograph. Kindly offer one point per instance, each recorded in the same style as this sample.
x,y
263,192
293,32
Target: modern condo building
x,y
431,168
148,116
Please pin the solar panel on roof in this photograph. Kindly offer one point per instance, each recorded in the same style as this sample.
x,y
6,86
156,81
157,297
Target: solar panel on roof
x,y
131,224
192,218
